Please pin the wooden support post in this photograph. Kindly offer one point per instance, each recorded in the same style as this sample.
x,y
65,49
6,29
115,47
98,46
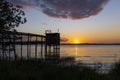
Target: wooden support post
x,y
49,50
41,47
28,47
36,48
45,49
54,48
14,49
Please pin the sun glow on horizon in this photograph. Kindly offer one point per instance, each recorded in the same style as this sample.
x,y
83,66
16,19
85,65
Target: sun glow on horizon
x,y
76,41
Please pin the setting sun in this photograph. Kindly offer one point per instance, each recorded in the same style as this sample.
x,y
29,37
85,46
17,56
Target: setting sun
x,y
76,41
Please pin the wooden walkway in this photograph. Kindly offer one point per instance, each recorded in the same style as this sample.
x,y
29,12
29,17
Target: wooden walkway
x,y
9,41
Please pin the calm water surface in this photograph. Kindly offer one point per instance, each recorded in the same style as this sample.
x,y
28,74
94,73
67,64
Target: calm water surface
x,y
88,54
100,53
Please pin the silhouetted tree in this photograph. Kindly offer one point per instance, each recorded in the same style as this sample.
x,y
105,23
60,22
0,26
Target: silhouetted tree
x,y
11,16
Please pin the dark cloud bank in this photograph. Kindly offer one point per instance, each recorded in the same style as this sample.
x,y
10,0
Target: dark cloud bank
x,y
70,9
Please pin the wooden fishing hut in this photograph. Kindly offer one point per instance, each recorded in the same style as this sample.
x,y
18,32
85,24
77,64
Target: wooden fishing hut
x,y
52,45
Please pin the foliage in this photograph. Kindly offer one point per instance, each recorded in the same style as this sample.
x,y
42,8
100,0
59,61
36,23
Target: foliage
x,y
10,16
114,73
50,70
44,70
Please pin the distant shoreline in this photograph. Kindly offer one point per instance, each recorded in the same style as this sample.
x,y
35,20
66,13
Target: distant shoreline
x,y
91,44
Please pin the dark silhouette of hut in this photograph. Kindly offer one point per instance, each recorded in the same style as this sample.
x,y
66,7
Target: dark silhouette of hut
x,y
52,46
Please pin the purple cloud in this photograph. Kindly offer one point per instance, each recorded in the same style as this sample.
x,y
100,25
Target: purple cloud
x,y
68,9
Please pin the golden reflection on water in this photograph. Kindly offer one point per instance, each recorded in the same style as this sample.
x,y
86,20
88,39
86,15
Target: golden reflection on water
x,y
76,50
92,52
99,53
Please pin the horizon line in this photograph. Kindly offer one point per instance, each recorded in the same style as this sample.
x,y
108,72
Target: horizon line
x,y
89,43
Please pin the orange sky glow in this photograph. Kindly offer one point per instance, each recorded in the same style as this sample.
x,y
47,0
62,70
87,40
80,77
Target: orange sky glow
x,y
102,28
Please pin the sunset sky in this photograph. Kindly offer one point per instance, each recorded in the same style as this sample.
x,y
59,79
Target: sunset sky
x,y
103,27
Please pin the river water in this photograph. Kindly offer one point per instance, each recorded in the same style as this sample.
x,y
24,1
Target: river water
x,y
88,54
100,53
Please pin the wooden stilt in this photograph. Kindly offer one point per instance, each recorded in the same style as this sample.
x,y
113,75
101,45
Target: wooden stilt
x,y
36,48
